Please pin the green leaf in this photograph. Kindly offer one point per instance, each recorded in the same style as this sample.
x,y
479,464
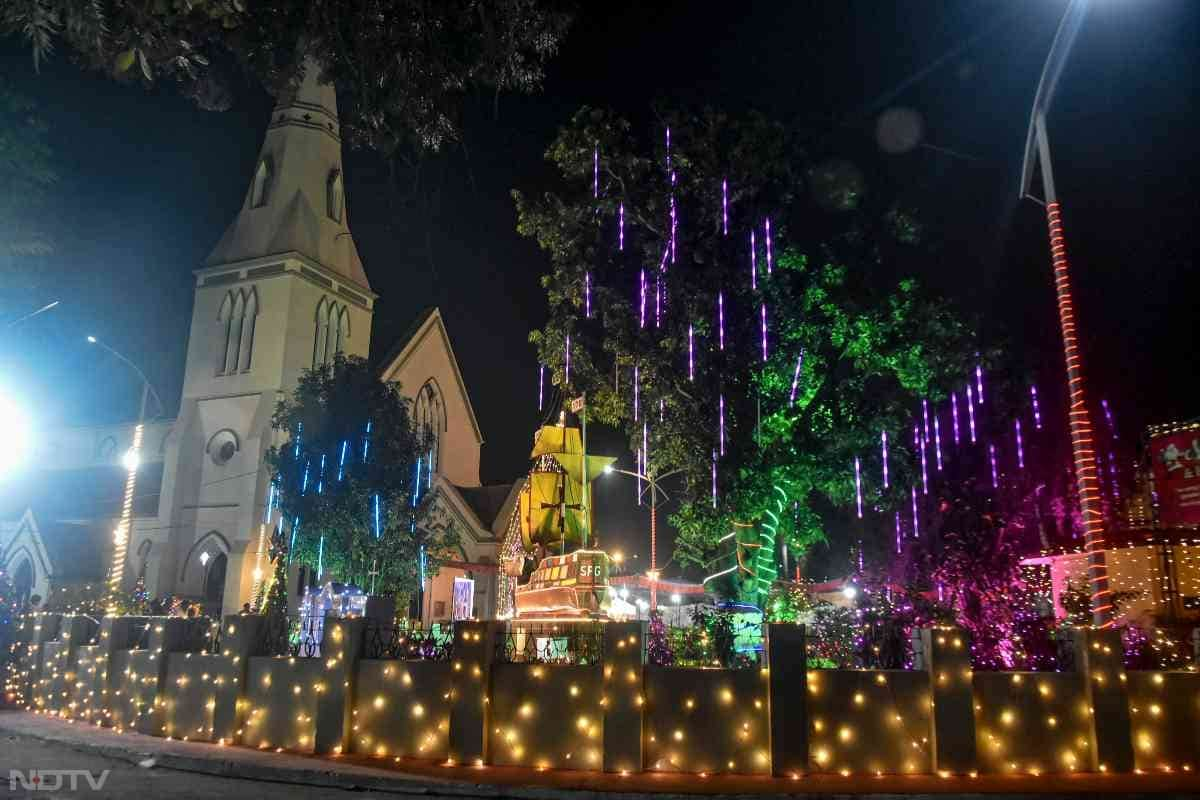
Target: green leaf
x,y
124,61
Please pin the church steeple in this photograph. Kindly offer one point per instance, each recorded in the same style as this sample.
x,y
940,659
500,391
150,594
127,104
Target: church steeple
x,y
296,201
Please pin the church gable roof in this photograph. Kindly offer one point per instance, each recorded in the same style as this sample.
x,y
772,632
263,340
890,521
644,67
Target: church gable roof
x,y
429,331
296,199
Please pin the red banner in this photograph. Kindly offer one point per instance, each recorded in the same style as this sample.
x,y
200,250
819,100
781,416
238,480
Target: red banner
x,y
1176,459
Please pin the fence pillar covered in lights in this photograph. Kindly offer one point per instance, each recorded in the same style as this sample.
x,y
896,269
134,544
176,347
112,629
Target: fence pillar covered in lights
x,y
1099,655
474,650
787,670
946,654
335,702
624,695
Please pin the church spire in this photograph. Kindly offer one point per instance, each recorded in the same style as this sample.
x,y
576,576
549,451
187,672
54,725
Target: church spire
x,y
296,200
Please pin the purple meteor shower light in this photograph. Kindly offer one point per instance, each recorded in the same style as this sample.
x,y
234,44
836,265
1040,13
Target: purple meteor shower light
x,y
691,353
992,458
724,207
753,263
1020,445
763,315
1037,411
541,384
621,227
924,469
796,379
925,417
916,519
567,368
646,447
587,295
636,393
883,447
768,245
596,172
662,408
674,219
721,320
657,300
954,414
937,440
642,293
639,469
1112,471
858,486
668,148
897,531
971,412
721,426
1108,415
979,383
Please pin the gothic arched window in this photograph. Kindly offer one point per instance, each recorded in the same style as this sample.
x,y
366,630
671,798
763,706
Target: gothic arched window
x,y
429,417
343,330
335,197
260,189
236,320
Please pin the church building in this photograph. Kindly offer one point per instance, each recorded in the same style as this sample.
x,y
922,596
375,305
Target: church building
x,y
283,291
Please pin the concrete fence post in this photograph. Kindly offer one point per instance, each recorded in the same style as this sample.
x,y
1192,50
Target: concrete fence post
x,y
474,651
623,695
241,638
340,646
786,659
946,656
1100,657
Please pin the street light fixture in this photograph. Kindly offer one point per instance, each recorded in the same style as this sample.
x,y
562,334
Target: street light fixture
x,y
131,460
1037,152
652,485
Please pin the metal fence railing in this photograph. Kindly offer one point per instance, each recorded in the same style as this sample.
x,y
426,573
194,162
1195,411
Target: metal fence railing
x,y
408,644
876,645
289,636
551,644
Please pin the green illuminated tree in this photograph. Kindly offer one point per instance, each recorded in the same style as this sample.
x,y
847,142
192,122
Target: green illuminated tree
x,y
872,343
401,66
333,472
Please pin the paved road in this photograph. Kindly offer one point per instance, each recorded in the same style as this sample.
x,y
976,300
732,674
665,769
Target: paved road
x,y
126,781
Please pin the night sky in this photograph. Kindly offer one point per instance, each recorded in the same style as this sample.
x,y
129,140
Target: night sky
x,y
148,184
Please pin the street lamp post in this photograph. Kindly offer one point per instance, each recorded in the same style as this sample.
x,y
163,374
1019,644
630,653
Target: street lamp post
x,y
1037,152
652,485
131,461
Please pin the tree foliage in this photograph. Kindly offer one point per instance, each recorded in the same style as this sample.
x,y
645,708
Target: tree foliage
x,y
352,444
27,173
400,65
872,344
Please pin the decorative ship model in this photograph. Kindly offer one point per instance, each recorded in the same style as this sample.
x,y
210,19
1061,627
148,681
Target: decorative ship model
x,y
553,514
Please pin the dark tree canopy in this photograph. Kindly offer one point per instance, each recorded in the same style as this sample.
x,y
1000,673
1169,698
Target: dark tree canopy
x,y
352,448
872,345
400,65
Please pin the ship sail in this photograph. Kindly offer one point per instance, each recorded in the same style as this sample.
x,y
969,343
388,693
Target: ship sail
x,y
551,504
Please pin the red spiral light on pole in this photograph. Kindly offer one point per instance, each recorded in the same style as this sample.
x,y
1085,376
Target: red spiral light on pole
x,y
1082,446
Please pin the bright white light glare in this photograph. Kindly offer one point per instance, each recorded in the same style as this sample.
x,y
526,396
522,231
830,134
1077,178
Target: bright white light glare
x,y
642,603
675,598
624,593
204,559
849,593
608,469
91,339
15,433
131,459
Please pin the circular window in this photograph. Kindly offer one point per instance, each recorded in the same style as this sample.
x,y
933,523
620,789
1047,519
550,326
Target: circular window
x,y
222,447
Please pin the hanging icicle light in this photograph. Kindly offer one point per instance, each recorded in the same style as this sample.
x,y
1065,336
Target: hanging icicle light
x,y
992,458
753,263
366,441
662,408
646,447
858,486
714,478
378,528
924,469
897,531
642,295
883,448
796,379
657,300
721,425
916,519
971,412
674,218
979,383
1108,416
1112,472
925,417
587,295
342,460
567,363
621,227
636,393
720,320
724,207
596,172
691,353
639,469
954,414
296,449
768,225
1037,411
1020,445
541,385
763,317
321,557
937,440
